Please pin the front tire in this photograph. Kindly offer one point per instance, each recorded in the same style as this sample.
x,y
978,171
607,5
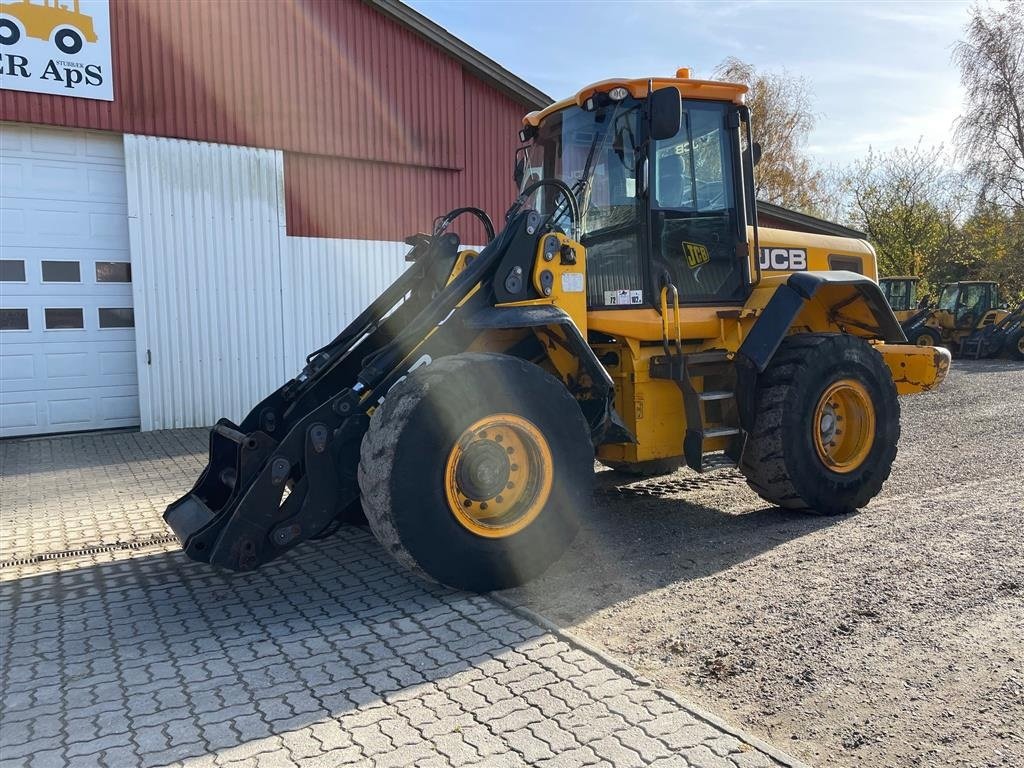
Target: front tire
x,y
926,337
826,426
474,469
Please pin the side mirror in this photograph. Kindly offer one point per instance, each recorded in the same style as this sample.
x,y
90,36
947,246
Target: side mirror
x,y
756,153
520,171
666,108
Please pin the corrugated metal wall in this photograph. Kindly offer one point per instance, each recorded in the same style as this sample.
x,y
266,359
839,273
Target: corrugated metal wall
x,y
383,129
341,197
334,281
226,305
315,76
206,225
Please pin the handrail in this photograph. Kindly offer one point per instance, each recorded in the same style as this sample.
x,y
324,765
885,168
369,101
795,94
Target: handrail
x,y
676,317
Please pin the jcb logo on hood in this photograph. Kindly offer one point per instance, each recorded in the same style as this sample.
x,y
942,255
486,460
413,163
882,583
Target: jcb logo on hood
x,y
790,259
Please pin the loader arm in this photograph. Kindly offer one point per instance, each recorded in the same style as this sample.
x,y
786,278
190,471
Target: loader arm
x,y
288,470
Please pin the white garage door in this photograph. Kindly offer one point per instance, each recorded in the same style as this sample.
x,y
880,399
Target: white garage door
x,y
67,328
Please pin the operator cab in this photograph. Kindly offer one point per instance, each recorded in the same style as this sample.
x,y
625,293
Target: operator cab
x,y
901,293
662,187
967,302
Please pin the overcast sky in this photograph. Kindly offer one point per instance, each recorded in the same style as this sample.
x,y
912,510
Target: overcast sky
x,y
880,72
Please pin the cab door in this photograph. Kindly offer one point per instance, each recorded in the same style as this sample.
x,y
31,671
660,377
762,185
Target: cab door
x,y
695,206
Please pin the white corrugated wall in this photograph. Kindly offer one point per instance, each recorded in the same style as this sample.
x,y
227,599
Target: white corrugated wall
x,y
335,280
226,305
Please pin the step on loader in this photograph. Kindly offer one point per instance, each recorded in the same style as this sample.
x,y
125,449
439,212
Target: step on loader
x,y
629,308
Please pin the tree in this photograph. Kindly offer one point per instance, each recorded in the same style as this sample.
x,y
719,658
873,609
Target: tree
x,y
910,205
994,236
991,129
780,105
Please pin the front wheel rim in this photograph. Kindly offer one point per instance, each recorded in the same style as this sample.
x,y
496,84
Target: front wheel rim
x,y
924,340
498,475
844,426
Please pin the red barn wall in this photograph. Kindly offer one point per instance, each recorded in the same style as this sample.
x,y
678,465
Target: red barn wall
x,y
342,197
382,130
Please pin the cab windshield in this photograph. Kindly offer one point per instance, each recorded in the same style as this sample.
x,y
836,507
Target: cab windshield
x,y
681,231
595,153
947,300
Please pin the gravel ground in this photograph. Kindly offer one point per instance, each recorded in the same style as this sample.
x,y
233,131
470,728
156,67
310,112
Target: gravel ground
x,y
893,637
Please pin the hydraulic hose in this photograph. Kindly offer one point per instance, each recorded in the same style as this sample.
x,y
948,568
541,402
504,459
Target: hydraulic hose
x,y
441,223
558,184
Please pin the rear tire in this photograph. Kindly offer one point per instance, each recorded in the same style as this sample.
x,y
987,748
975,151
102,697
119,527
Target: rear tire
x,y
812,379
428,470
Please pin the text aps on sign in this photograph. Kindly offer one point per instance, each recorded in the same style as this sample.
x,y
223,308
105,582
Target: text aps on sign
x,y
60,47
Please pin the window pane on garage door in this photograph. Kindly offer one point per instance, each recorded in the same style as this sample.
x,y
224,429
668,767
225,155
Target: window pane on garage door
x,y
62,272
64,318
13,319
113,272
12,271
120,317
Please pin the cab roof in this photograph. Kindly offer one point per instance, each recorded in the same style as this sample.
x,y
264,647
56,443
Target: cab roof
x,y
689,88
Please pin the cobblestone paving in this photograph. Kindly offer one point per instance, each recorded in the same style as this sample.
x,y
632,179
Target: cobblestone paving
x,y
331,656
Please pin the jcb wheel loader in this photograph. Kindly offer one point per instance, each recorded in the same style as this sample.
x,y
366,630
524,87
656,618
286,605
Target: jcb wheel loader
x,y
630,308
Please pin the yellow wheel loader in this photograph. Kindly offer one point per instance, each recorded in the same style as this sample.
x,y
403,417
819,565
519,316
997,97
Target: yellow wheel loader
x,y
629,309
969,319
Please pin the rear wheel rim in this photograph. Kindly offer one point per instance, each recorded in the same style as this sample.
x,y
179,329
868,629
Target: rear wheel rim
x,y
844,426
498,475
924,340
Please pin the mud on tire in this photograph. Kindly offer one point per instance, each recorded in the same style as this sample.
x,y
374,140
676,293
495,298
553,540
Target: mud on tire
x,y
402,469
780,460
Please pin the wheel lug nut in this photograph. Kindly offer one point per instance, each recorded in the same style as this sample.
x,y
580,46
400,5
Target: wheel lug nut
x,y
510,450
515,467
510,486
483,505
498,498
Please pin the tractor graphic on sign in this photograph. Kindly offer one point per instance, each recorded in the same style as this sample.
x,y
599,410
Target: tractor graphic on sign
x,y
68,28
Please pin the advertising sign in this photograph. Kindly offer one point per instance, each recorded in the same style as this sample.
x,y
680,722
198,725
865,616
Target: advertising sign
x,y
61,47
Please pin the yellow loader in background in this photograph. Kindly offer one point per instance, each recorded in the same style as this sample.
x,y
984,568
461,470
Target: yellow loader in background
x,y
629,308
901,293
969,319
